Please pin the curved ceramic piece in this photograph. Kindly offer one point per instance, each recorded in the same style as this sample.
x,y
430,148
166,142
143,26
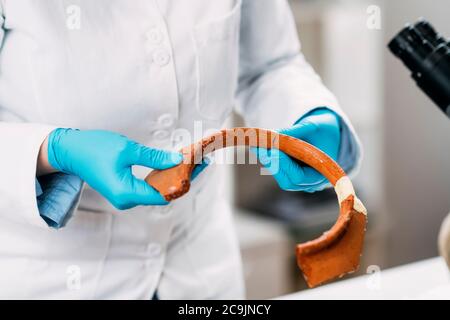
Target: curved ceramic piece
x,y
334,253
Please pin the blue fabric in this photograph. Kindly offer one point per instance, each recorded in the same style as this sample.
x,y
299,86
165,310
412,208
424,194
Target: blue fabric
x,y
57,197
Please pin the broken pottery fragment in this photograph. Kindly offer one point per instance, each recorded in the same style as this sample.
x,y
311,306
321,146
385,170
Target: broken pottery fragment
x,y
337,251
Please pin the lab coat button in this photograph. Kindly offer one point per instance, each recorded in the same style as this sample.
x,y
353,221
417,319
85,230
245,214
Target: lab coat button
x,y
161,57
166,120
154,250
161,134
155,36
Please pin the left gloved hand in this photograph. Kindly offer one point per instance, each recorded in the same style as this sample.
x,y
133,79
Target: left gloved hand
x,y
320,128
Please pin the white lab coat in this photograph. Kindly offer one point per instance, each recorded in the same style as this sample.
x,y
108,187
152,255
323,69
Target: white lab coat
x,y
143,68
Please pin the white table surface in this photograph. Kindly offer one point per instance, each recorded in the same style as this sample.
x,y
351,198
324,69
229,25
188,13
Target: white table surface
x,y
427,279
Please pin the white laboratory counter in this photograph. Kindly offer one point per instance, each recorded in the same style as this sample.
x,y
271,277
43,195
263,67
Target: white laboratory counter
x,y
428,279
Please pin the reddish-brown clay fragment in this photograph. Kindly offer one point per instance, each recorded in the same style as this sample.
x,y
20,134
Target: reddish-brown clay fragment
x,y
338,251
332,255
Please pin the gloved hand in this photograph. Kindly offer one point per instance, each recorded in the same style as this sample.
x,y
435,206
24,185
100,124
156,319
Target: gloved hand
x,y
103,159
199,168
320,128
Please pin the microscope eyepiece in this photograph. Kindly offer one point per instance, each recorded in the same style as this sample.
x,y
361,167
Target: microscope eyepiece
x,y
411,47
427,55
428,32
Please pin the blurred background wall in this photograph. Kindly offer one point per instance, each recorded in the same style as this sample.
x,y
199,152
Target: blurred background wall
x,y
405,177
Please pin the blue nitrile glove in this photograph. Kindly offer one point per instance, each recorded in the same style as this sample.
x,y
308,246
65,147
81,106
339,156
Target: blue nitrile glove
x,y
104,159
199,168
321,128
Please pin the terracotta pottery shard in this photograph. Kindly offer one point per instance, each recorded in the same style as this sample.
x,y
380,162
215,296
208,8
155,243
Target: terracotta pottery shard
x,y
335,253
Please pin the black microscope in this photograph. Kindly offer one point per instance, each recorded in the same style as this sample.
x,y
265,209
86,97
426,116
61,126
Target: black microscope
x,y
427,55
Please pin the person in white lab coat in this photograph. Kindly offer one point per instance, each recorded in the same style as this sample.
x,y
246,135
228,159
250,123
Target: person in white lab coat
x,y
124,74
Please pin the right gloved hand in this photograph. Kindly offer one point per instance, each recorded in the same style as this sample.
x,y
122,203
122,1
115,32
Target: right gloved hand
x,y
104,159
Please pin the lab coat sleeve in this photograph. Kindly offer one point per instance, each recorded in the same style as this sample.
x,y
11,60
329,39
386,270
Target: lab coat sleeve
x,y
276,84
20,144
47,201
